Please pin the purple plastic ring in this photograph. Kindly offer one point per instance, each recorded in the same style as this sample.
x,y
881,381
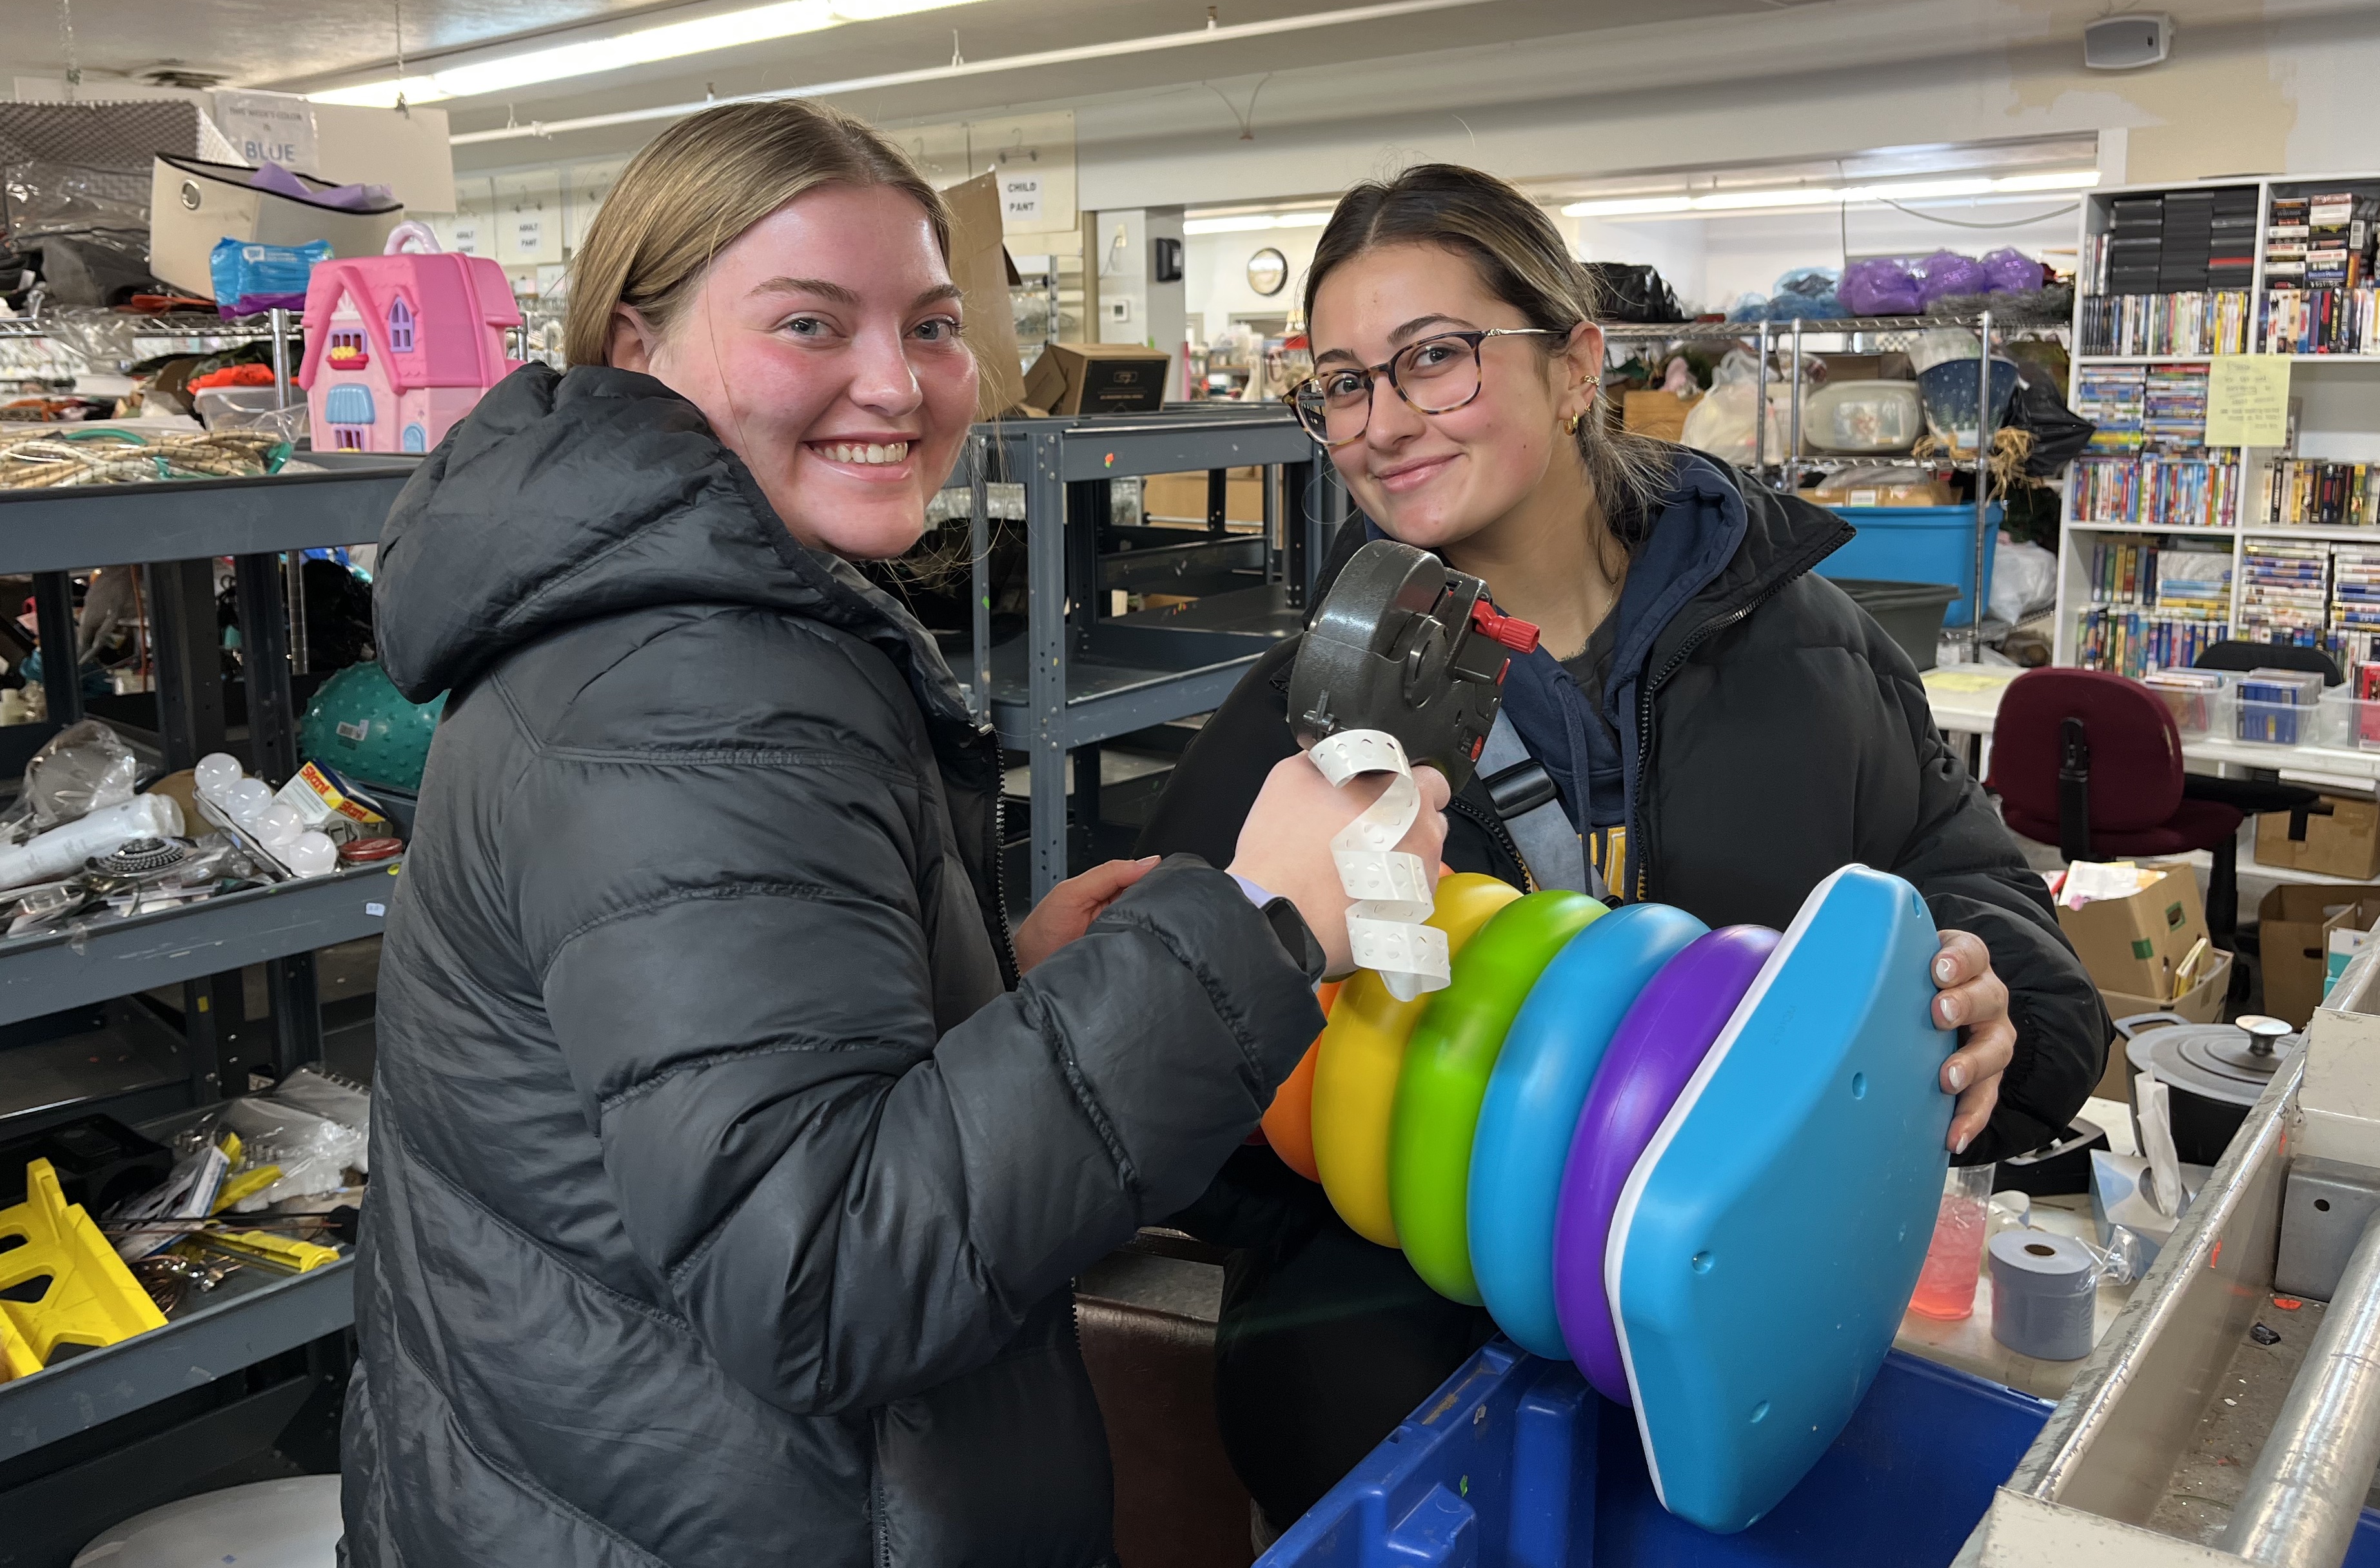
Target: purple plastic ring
x,y
1655,1052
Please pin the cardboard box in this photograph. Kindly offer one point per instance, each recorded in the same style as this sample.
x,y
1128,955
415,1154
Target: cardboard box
x,y
2131,945
1098,378
979,265
1868,367
2201,1003
1658,414
1181,498
2344,843
193,203
2293,928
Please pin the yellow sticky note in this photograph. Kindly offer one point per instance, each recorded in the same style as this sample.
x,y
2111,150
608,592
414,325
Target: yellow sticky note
x,y
2248,400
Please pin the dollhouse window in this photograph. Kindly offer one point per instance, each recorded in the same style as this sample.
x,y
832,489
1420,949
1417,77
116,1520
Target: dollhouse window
x,y
344,338
414,439
350,438
350,403
400,327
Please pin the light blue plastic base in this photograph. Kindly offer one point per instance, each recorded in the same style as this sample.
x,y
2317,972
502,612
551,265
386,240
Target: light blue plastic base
x,y
1764,1250
1530,1112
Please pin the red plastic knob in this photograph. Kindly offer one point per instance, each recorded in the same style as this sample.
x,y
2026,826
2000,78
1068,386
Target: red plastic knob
x,y
1511,630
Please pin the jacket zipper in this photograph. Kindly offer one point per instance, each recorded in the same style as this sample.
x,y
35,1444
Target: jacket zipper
x,y
1640,846
999,814
1501,834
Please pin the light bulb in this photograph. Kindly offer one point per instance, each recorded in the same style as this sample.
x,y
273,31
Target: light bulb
x,y
310,854
247,800
216,772
278,824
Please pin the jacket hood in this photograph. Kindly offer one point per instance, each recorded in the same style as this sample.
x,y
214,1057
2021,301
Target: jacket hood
x,y
569,497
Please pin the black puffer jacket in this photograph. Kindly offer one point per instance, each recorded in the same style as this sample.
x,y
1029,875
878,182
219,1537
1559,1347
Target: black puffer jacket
x,y
1778,733
726,1196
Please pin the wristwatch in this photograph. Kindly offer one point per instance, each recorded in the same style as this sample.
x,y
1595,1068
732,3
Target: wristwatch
x,y
1296,937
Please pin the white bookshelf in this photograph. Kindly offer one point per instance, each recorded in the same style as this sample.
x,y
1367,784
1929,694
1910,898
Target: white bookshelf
x,y
2337,395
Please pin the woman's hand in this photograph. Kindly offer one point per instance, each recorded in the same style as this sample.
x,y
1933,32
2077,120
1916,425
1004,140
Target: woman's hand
x,y
1286,844
1067,910
1974,1001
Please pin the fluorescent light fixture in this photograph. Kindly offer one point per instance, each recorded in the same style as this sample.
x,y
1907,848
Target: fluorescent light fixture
x,y
702,35
1625,206
1250,223
1827,196
2057,179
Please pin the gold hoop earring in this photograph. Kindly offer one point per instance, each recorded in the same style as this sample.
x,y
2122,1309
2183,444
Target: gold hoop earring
x,y
1570,424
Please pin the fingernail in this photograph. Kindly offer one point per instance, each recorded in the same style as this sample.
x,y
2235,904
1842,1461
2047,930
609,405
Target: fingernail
x,y
1950,1010
1960,1147
1148,859
1957,1076
1943,967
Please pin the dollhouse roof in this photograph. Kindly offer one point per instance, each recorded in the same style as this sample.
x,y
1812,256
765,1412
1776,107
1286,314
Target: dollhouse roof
x,y
440,289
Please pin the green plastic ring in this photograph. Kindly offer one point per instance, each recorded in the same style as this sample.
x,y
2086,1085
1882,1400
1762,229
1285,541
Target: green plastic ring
x,y
1447,1065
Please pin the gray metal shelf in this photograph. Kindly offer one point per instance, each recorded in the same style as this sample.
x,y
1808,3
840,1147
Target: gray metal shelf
x,y
251,1318
1078,677
50,973
109,525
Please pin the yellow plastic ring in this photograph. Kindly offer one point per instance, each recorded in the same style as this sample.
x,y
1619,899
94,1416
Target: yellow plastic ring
x,y
1358,1058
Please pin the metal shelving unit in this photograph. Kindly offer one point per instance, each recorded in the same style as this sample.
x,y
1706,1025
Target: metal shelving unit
x,y
176,530
1857,334
251,1318
1080,677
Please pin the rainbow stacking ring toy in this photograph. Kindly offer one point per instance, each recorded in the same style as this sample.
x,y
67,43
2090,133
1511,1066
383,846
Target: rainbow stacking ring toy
x,y
1704,1165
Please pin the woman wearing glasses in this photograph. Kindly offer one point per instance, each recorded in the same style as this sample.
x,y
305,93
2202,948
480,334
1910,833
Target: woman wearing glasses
x,y
1723,728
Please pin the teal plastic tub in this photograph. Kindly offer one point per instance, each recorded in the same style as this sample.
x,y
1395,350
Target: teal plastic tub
x,y
1924,544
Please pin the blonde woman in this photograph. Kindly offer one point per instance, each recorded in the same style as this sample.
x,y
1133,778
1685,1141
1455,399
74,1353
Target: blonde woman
x,y
728,1180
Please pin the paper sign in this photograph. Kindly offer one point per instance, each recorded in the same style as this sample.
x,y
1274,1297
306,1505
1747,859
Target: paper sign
x,y
2248,400
275,127
465,237
530,235
1020,198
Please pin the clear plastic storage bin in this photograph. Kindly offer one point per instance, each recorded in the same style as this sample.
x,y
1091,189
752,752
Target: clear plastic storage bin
x,y
2279,707
2349,721
2201,701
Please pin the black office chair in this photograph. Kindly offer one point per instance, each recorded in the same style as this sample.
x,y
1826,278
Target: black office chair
x,y
2235,654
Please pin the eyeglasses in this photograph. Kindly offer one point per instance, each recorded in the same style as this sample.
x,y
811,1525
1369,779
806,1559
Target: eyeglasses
x,y
1437,375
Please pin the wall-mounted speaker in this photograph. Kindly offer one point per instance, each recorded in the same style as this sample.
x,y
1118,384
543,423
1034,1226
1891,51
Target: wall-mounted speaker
x,y
2126,44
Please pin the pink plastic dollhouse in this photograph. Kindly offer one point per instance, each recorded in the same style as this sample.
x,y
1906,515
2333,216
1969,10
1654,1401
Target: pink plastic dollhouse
x,y
398,348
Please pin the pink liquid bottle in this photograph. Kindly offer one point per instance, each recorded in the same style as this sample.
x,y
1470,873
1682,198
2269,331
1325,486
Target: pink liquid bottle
x,y
1954,1258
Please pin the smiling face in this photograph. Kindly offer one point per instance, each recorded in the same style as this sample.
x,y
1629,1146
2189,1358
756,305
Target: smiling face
x,y
1435,479
823,346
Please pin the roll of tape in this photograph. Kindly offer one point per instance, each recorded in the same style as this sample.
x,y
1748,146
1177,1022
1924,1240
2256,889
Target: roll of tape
x,y
1358,1059
2044,1289
1390,886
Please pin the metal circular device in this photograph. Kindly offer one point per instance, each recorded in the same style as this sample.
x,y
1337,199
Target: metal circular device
x,y
2214,1072
140,857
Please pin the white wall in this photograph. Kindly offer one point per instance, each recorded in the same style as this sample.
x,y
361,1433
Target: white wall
x,y
1216,268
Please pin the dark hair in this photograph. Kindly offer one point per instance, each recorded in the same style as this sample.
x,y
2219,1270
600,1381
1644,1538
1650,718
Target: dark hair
x,y
1523,262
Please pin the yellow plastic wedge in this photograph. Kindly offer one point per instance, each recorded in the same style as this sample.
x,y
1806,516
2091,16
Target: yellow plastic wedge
x,y
1358,1058
92,1299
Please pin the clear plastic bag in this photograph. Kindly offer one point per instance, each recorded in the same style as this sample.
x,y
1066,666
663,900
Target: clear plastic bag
x,y
81,769
338,1098
312,1151
1721,424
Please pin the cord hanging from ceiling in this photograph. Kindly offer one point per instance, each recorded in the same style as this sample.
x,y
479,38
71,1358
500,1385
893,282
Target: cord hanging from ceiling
x,y
74,63
399,6
1248,122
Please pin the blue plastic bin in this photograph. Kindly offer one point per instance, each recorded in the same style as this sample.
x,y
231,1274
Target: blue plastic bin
x,y
1918,544
1514,1463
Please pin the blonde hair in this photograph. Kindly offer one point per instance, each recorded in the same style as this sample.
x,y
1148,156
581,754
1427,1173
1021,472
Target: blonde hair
x,y
1521,260
697,186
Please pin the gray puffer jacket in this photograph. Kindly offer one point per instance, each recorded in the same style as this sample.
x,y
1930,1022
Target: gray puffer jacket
x,y
726,1187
